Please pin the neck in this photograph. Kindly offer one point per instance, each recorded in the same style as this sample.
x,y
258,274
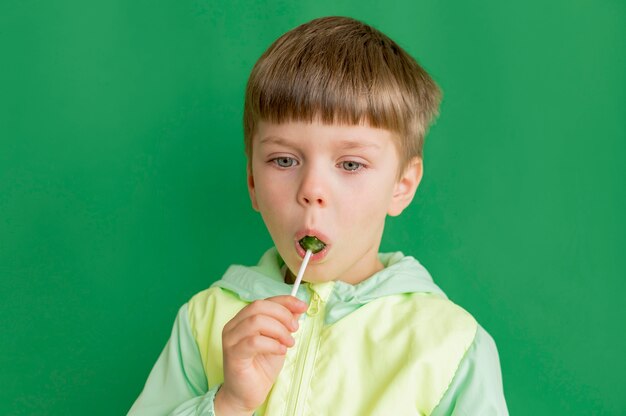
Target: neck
x,y
290,278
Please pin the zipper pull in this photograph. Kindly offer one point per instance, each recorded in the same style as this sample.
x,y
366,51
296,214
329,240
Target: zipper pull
x,y
314,306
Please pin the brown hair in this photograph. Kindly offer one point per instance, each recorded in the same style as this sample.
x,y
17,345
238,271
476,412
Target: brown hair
x,y
340,70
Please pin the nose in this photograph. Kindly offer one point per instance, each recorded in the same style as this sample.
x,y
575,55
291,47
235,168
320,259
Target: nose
x,y
313,189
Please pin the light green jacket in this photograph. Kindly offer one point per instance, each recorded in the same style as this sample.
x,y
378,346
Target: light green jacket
x,y
391,345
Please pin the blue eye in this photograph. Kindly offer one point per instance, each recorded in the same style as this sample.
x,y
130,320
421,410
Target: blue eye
x,y
285,162
351,165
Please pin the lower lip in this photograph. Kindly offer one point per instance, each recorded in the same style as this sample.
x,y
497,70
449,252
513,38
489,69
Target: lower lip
x,y
315,257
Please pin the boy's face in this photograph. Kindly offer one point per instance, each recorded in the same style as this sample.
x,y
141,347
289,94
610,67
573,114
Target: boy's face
x,y
334,182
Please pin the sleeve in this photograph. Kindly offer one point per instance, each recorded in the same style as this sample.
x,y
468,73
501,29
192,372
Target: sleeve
x,y
476,388
177,384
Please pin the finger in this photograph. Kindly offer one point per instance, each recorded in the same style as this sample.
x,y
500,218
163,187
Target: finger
x,y
257,345
260,307
268,307
292,303
259,324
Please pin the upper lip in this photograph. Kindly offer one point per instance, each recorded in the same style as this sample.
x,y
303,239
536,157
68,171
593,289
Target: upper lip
x,y
313,233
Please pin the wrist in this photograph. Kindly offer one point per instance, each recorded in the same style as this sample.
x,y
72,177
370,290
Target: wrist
x,y
225,406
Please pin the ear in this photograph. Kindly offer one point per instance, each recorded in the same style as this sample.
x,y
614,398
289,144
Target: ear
x,y
251,189
405,187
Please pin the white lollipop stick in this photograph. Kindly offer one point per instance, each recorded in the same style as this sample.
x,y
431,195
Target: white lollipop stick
x,y
307,256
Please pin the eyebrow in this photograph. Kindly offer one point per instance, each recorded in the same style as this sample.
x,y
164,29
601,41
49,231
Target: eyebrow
x,y
275,140
342,144
354,144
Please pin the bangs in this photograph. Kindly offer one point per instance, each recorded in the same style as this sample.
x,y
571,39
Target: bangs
x,y
324,85
341,73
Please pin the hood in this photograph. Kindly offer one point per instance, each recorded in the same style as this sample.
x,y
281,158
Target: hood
x,y
402,274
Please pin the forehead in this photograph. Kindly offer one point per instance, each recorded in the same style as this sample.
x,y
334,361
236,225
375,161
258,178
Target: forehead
x,y
349,137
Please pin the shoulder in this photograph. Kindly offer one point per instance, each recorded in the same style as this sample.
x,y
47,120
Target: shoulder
x,y
426,323
440,315
205,297
433,303
410,285
213,304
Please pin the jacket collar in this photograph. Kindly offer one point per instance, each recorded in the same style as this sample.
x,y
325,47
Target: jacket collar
x,y
402,274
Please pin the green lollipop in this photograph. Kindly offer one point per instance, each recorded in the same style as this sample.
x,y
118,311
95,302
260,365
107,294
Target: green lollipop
x,y
312,243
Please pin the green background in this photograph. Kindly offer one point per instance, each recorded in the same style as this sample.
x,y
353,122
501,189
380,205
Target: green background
x,y
122,185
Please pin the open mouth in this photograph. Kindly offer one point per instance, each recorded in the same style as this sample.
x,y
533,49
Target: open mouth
x,y
312,243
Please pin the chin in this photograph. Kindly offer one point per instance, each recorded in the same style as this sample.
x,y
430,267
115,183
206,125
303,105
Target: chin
x,y
317,273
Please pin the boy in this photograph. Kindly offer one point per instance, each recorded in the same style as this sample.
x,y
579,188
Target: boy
x,y
334,122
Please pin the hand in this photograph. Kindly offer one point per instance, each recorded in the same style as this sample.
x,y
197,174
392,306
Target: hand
x,y
254,345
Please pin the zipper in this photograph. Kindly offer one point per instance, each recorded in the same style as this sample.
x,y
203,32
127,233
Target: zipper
x,y
308,347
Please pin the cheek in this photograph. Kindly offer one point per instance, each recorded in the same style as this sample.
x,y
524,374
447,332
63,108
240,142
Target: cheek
x,y
359,206
365,207
270,192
